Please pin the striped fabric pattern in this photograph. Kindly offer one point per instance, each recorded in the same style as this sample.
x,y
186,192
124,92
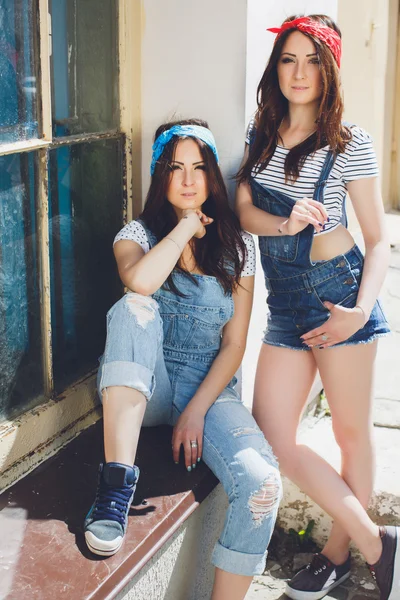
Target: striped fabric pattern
x,y
357,162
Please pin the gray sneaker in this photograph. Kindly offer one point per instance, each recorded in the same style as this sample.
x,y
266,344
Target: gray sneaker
x,y
386,571
106,522
317,579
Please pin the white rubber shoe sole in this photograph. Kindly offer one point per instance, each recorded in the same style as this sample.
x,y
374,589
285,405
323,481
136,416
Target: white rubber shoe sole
x,y
299,595
102,547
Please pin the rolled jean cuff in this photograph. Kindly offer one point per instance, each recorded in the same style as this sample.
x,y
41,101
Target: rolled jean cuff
x,y
238,563
127,374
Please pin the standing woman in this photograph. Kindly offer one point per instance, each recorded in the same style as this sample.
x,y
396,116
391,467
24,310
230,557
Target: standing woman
x,y
322,294
174,343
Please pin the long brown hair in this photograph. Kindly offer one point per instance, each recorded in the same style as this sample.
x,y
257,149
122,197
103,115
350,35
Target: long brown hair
x,y
221,252
273,107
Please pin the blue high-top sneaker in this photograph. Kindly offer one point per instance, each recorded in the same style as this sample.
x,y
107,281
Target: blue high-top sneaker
x,y
106,522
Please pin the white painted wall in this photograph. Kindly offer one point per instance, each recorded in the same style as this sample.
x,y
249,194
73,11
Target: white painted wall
x,y
193,65
368,72
206,60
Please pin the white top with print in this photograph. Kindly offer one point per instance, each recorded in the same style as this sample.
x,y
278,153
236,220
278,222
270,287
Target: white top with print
x,y
358,161
134,231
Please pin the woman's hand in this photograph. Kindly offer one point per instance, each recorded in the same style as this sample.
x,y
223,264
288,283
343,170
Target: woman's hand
x,y
192,213
188,432
341,325
304,212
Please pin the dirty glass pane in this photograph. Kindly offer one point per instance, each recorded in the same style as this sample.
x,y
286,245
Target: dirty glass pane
x,y
85,214
18,70
84,66
20,337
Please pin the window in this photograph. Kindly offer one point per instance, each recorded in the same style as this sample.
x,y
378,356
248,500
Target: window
x,y
62,192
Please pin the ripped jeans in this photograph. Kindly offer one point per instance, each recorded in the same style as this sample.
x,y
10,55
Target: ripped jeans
x,y
167,366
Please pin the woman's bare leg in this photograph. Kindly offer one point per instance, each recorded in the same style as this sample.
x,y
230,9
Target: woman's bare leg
x,y
123,411
347,375
228,585
283,381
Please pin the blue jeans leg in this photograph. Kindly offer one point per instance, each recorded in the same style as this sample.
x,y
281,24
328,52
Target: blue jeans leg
x,y
133,355
236,451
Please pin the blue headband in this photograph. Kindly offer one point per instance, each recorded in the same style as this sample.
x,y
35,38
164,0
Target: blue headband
x,y
196,131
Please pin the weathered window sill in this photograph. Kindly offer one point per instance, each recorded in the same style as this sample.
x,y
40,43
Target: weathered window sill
x,y
42,549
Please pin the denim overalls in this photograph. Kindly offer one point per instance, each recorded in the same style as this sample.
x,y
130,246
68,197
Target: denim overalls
x,y
297,287
164,346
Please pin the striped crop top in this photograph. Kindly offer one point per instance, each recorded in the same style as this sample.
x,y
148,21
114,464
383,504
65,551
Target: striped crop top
x,y
358,161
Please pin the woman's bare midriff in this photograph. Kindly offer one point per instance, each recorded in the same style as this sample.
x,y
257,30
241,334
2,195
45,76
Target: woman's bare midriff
x,y
329,245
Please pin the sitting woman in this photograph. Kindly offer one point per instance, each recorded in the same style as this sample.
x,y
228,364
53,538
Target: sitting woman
x,y
174,343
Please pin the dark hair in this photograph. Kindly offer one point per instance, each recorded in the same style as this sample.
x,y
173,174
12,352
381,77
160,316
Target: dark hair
x,y
273,107
221,252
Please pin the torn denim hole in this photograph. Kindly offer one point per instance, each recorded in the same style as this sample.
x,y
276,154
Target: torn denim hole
x,y
267,452
239,431
142,307
266,499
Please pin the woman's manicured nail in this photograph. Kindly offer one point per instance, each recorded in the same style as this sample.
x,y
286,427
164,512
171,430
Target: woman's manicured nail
x,y
198,459
320,224
194,465
189,469
320,347
176,462
328,219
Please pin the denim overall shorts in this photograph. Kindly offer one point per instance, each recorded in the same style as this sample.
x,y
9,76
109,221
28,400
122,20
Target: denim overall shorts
x,y
298,287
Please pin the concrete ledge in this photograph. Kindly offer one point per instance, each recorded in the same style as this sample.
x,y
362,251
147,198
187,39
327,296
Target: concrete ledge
x,y
182,569
42,550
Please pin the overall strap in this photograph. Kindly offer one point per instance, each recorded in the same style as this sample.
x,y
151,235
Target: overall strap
x,y
151,238
323,176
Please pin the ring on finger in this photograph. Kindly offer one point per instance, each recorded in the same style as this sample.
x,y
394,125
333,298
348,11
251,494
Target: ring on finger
x,y
324,337
193,444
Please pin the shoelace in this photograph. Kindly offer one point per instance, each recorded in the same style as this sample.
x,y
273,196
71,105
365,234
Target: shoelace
x,y
111,503
318,564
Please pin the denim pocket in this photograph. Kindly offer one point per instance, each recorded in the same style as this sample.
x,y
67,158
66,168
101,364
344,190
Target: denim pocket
x,y
188,327
283,247
342,290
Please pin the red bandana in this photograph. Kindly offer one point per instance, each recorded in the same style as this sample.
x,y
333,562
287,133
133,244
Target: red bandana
x,y
322,32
